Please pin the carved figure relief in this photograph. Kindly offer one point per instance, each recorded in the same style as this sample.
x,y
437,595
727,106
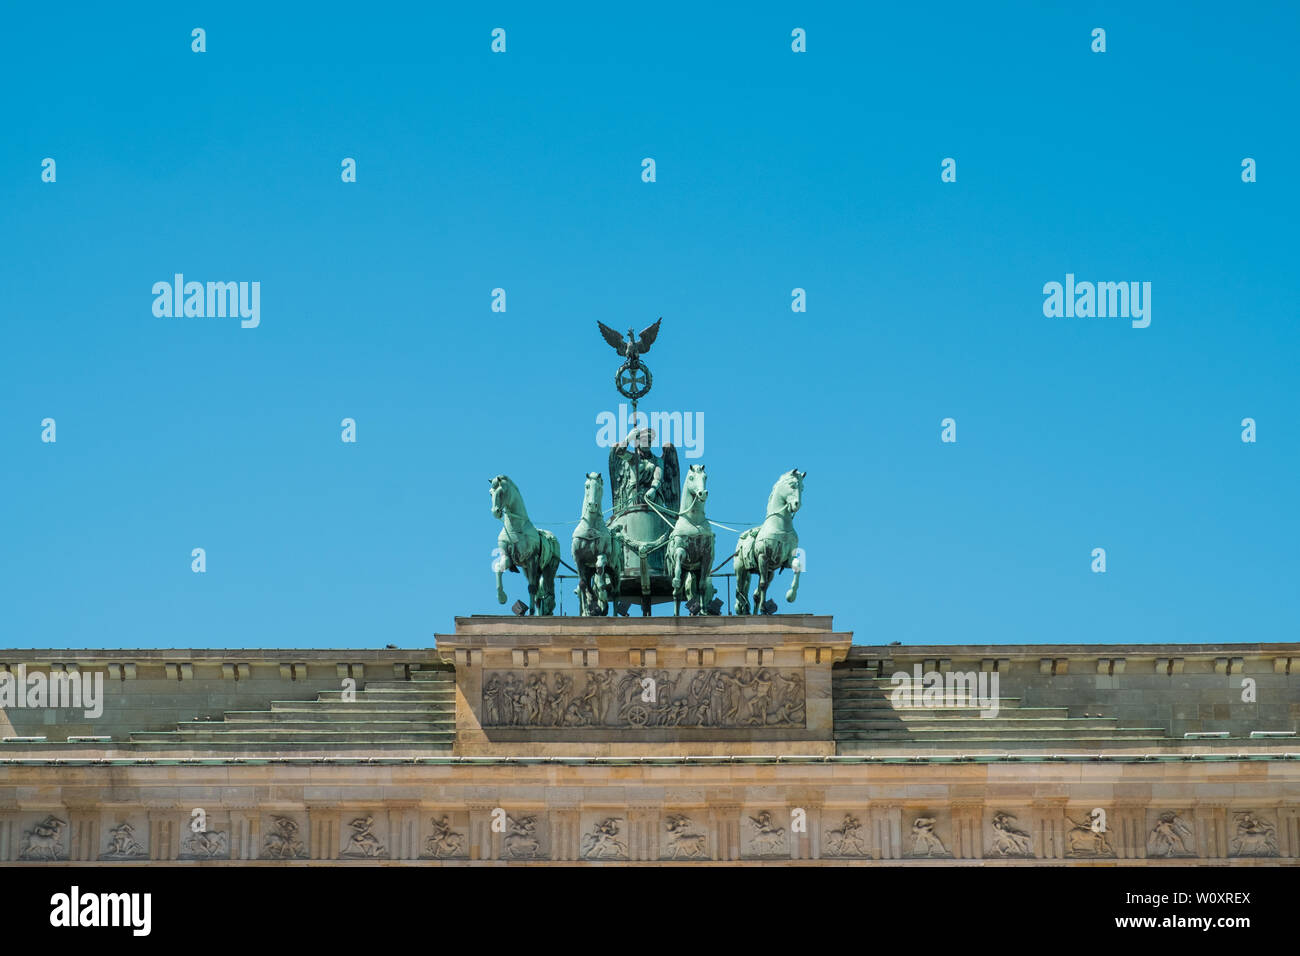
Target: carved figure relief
x,y
848,839
444,842
766,839
925,842
692,697
44,840
1170,837
1254,837
521,841
206,844
282,841
683,841
363,842
1086,838
602,842
1008,839
122,844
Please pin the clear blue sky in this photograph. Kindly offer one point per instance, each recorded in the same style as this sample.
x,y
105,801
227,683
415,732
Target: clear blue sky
x,y
775,170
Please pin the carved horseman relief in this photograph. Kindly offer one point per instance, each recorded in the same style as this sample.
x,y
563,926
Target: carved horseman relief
x,y
766,839
281,841
849,839
521,840
724,698
1254,836
603,842
444,843
1087,838
44,841
682,840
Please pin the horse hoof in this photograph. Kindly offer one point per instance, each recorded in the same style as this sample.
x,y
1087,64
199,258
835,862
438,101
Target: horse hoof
x,y
789,597
501,597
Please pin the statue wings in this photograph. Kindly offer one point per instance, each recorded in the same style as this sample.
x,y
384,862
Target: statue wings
x,y
644,340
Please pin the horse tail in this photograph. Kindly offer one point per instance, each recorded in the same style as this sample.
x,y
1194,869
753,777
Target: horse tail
x,y
745,549
550,556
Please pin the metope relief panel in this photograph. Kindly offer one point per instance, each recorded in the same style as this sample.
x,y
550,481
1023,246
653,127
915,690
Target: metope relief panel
x,y
447,837
604,837
1087,837
1252,834
845,837
365,837
763,838
925,841
681,838
44,839
525,838
724,698
1170,835
1008,838
125,838
282,838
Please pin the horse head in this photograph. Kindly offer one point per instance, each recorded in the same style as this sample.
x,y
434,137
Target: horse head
x,y
694,488
787,493
503,491
593,494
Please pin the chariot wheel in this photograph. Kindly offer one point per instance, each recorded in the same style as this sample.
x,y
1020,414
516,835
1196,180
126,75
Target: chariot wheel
x,y
637,715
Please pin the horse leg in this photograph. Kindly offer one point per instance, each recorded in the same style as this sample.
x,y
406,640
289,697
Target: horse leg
x,y
706,581
531,573
791,594
602,588
546,589
764,578
742,585
586,590
679,558
499,566
688,586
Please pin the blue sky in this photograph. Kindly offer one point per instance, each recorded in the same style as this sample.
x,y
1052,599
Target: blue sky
x,y
522,170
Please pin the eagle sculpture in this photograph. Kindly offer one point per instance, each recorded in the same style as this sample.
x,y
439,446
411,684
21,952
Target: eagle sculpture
x,y
635,345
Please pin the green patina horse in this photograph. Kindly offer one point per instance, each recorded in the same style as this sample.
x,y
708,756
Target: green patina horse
x,y
772,546
523,546
688,558
597,552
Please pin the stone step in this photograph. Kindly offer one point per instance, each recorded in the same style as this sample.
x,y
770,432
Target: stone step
x,y
419,686
420,695
850,710
354,707
913,724
283,748
873,698
1117,733
379,726
869,745
207,735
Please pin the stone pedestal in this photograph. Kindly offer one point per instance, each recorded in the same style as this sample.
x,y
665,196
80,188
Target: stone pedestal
x,y
573,686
